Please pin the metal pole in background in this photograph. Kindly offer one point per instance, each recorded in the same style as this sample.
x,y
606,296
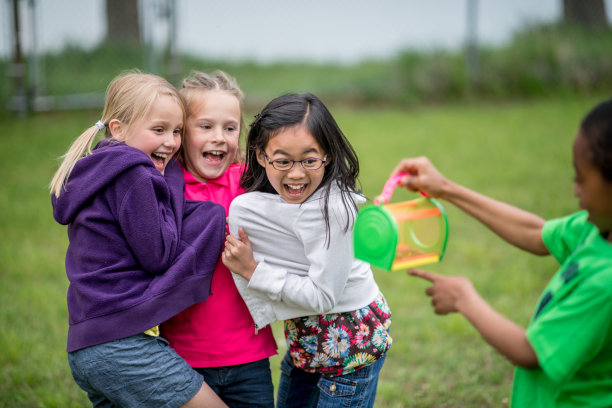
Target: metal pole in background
x,y
17,71
35,88
471,46
172,61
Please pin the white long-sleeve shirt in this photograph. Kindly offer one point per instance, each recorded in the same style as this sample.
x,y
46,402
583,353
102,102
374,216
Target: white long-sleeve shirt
x,y
297,273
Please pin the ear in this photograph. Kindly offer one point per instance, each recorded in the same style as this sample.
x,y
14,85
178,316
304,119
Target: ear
x,y
115,128
328,160
260,158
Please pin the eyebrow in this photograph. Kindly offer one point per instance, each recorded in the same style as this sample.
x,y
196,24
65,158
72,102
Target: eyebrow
x,y
280,151
203,118
161,120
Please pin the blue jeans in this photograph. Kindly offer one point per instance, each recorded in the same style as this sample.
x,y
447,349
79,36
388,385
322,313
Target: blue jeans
x,y
242,385
297,388
137,371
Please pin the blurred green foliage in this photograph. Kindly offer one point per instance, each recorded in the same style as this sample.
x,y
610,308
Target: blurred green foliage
x,y
540,60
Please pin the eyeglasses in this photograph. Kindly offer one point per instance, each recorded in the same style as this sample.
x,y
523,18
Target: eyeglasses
x,y
310,163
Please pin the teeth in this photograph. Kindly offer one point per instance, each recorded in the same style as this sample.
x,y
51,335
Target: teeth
x,y
215,153
160,155
293,187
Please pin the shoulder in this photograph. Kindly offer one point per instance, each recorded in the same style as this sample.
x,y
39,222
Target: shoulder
x,y
117,158
174,172
234,171
569,224
343,205
562,235
233,175
254,200
254,208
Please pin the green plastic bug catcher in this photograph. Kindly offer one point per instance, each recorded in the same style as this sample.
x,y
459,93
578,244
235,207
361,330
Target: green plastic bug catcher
x,y
400,235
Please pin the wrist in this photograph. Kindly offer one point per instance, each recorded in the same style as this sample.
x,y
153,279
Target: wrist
x,y
249,271
468,298
448,189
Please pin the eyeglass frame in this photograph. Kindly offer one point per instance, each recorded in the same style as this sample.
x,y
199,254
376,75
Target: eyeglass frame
x,y
271,162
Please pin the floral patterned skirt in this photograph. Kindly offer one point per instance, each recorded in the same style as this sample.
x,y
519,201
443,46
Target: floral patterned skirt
x,y
340,343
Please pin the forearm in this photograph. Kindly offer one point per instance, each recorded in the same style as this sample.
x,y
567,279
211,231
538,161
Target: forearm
x,y
500,332
516,226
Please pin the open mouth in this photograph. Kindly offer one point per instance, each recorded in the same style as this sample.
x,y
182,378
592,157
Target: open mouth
x,y
214,157
159,159
295,190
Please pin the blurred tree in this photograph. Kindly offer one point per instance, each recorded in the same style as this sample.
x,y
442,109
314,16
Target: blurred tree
x,y
122,23
589,13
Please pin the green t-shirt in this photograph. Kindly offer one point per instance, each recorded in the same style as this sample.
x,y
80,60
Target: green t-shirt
x,y
571,330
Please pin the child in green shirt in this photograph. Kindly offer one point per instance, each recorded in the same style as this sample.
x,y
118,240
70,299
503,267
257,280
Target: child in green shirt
x,y
564,358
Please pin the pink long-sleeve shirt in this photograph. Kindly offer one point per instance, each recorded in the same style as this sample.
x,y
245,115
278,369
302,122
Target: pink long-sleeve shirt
x,y
220,331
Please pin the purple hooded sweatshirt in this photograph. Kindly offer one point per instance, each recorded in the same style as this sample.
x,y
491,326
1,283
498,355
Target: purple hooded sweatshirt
x,y
138,252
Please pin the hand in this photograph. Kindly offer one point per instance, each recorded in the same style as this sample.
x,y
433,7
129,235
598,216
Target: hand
x,y
238,255
447,292
423,177
457,294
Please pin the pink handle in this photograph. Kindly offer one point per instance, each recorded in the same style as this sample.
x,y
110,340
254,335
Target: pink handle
x,y
389,187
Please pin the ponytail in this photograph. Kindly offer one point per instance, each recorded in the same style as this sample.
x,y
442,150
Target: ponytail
x,y
129,97
80,147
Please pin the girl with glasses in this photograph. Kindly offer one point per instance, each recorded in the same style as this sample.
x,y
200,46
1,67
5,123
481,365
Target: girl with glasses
x,y
292,256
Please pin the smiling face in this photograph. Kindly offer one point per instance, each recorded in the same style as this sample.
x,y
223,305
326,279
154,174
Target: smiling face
x,y
158,134
294,143
212,133
593,191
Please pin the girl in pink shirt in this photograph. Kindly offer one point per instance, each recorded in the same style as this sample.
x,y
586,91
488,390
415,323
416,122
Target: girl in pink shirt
x,y
217,337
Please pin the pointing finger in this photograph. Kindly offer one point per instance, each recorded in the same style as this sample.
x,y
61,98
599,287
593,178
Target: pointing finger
x,y
423,274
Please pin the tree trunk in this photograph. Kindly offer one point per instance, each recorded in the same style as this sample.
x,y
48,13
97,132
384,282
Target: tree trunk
x,y
122,24
587,13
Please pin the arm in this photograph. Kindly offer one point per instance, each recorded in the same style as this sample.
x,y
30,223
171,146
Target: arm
x,y
322,277
318,291
149,224
451,294
516,226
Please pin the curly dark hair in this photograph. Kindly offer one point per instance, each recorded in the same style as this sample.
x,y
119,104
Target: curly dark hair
x,y
596,128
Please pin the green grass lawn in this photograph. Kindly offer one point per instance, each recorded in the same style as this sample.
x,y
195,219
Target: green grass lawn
x,y
519,152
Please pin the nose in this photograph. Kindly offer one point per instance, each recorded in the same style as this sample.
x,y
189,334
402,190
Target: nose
x,y
172,140
217,135
297,171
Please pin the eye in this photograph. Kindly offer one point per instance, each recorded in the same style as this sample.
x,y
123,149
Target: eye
x,y
206,126
158,129
282,162
178,131
310,162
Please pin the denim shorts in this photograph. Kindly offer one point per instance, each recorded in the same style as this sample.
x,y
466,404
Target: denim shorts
x,y
300,389
243,385
137,371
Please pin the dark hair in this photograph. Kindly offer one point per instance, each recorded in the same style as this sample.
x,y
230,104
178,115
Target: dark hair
x,y
304,109
596,128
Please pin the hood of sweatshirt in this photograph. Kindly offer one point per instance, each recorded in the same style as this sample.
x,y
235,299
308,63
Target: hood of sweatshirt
x,y
92,173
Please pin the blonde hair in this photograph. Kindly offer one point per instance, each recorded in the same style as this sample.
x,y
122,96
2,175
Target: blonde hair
x,y
218,80
129,98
